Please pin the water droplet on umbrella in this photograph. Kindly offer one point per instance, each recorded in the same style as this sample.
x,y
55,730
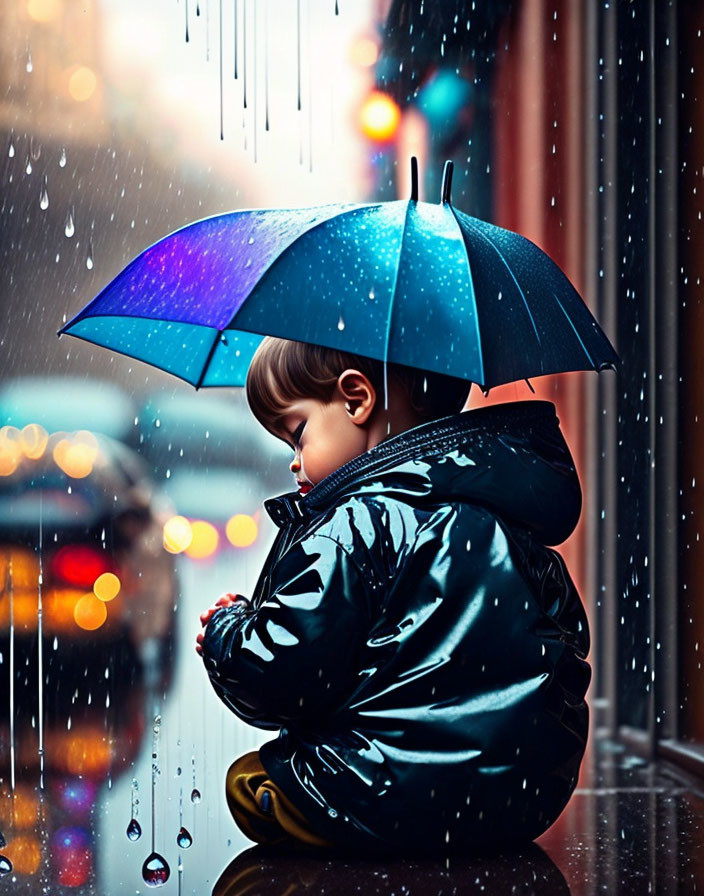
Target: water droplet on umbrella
x,y
155,870
44,196
69,228
195,795
134,830
62,158
5,865
340,324
184,839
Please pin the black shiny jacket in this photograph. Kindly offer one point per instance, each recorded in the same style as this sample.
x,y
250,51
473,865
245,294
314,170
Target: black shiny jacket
x,y
418,645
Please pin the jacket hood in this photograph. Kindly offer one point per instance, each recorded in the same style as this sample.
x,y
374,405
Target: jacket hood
x,y
510,458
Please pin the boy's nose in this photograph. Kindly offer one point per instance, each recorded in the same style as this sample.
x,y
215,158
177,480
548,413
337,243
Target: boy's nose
x,y
295,464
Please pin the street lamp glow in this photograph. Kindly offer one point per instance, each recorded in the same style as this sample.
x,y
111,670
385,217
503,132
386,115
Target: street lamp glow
x,y
241,530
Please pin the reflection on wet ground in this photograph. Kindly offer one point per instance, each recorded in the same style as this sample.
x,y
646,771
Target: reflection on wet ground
x,y
262,870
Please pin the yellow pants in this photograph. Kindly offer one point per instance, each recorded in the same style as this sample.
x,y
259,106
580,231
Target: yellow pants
x,y
259,808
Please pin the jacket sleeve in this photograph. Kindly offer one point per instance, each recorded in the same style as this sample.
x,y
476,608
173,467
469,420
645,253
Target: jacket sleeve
x,y
293,653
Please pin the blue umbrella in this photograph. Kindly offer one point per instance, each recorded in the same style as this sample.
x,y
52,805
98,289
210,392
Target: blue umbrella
x,y
407,282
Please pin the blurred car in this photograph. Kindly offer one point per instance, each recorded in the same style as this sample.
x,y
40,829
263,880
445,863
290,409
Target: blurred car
x,y
87,595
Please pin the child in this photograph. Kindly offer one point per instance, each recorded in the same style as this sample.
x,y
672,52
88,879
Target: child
x,y
419,647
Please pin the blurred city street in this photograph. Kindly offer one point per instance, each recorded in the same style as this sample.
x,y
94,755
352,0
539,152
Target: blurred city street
x,y
130,501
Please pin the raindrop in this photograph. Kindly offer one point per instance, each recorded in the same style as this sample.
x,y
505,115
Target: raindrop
x,y
195,795
372,294
5,865
155,870
28,64
337,8
134,830
44,196
184,839
11,145
89,256
340,324
62,158
28,166
35,149
69,227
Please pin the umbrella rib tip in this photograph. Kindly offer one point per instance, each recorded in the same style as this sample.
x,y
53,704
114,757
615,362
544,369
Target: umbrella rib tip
x,y
446,183
414,179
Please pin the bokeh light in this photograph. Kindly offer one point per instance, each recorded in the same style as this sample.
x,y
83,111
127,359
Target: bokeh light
x,y
379,117
241,530
106,586
77,454
33,440
204,541
10,450
25,853
364,51
90,613
82,83
44,10
177,534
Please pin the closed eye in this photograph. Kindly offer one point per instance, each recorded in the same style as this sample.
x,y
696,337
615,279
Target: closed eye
x,y
298,432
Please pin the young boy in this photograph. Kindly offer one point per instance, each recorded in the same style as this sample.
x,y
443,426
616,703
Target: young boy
x,y
417,644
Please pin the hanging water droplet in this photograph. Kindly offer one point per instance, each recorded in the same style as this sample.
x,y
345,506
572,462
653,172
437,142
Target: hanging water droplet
x,y
195,795
340,324
44,196
5,865
134,830
62,158
11,145
184,839
155,870
69,227
89,256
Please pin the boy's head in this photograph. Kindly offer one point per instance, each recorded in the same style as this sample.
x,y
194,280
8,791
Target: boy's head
x,y
329,405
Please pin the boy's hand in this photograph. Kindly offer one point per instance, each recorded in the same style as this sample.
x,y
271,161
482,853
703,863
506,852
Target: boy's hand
x,y
225,600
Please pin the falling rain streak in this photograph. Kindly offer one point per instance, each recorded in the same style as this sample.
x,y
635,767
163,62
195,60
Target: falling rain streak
x,y
40,644
12,678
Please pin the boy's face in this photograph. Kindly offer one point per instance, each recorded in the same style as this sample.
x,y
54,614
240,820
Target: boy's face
x,y
323,435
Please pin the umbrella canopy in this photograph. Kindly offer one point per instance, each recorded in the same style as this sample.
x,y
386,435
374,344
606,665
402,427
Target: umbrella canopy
x,y
406,282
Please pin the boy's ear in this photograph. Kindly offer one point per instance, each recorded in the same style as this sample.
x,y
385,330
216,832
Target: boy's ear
x,y
356,390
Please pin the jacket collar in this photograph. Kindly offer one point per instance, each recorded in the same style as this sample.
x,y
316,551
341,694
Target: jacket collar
x,y
434,438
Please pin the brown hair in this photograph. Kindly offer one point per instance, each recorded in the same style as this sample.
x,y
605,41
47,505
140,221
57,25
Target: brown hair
x,y
283,371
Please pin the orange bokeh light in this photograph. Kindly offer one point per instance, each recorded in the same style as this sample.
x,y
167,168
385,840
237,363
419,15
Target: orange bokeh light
x,y
177,534
241,530
90,613
204,541
106,586
33,440
25,854
379,117
82,83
